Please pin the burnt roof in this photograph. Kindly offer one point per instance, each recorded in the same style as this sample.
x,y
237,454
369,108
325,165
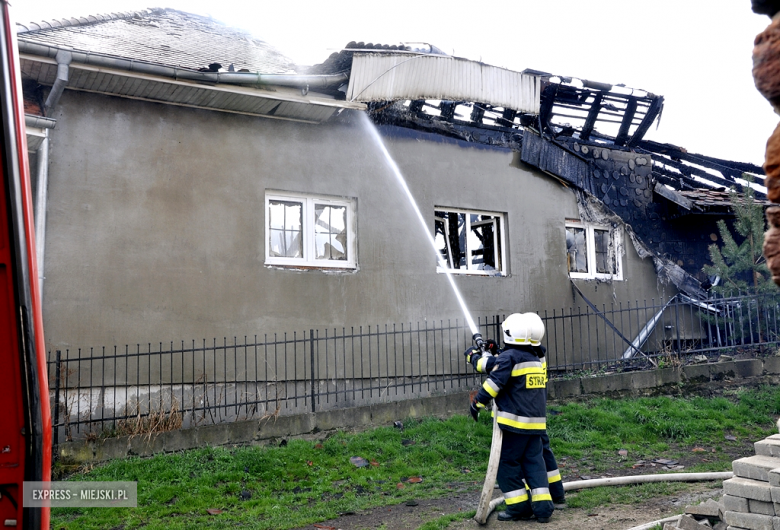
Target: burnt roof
x,y
162,36
707,199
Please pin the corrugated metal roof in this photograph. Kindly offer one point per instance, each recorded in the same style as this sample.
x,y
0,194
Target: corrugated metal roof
x,y
162,36
388,77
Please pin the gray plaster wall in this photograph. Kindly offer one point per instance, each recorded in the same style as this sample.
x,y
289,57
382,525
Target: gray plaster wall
x,y
156,213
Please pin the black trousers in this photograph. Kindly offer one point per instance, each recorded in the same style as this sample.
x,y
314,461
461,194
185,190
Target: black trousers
x,y
521,458
553,475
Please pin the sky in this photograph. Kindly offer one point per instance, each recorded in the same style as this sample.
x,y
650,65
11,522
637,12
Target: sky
x,y
696,53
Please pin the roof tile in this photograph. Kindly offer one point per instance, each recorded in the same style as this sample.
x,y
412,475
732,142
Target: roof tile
x,y
163,36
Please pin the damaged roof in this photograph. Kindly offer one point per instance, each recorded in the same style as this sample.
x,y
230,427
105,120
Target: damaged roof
x,y
168,56
705,199
161,36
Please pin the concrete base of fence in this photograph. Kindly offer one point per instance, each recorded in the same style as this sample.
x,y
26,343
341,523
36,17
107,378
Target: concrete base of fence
x,y
318,425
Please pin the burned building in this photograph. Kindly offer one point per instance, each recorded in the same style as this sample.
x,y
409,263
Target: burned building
x,y
194,184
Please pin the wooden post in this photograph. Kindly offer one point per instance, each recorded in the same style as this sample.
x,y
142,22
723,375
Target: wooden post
x,y
484,508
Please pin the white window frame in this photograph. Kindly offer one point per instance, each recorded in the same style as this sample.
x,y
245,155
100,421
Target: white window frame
x,y
307,231
499,242
590,238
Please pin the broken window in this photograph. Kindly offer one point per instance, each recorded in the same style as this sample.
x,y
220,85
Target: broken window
x,y
605,260
577,249
592,251
469,242
309,231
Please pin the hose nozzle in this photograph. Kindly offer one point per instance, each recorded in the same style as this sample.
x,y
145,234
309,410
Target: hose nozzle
x,y
479,342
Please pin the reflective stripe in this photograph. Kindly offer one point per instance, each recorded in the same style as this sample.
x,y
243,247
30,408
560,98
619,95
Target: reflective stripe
x,y
481,364
540,494
480,405
514,497
530,367
522,422
553,476
490,387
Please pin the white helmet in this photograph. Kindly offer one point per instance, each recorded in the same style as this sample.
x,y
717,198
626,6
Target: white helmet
x,y
526,328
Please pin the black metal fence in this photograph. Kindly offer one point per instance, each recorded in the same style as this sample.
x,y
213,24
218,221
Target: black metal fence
x,y
162,387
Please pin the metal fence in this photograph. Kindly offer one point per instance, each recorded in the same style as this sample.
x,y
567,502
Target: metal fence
x,y
160,387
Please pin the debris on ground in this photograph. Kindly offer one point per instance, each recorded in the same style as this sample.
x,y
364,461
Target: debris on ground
x,y
747,503
358,461
708,514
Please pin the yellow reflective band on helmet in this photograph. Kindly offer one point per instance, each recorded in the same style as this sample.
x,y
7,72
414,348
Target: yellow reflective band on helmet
x,y
521,422
515,497
553,476
481,364
490,387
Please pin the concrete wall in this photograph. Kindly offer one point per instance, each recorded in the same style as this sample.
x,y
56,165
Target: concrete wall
x,y
156,213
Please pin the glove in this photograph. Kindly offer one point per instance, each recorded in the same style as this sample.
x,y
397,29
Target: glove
x,y
472,354
474,410
492,347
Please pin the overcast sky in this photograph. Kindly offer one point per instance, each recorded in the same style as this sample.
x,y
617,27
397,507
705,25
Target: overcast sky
x,y
696,53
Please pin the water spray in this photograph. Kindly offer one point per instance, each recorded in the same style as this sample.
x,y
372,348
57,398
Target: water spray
x,y
477,337
483,509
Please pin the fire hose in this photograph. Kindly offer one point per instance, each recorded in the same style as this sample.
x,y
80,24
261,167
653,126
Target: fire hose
x,y
622,481
486,505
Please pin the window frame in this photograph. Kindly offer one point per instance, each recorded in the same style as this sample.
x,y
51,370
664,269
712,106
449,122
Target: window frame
x,y
590,240
498,238
308,249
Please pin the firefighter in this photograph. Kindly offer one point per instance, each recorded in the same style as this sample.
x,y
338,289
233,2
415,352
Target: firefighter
x,y
485,364
517,382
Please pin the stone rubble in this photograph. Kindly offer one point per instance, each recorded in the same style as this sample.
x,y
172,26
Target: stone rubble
x,y
751,499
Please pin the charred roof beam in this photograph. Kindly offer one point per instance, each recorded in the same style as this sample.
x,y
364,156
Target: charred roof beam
x,y
690,170
652,112
628,117
705,161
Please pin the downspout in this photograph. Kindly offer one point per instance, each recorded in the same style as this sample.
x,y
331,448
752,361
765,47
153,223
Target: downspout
x,y
63,57
41,197
236,78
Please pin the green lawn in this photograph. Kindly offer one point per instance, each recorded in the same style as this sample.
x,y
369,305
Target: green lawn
x,y
306,482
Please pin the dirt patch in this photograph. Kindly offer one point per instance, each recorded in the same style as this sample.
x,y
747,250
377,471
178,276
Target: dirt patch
x,y
613,517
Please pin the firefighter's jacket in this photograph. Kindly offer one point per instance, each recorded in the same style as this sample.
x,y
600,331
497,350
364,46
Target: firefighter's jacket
x,y
517,381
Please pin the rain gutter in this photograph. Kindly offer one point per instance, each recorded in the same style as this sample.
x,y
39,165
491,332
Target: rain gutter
x,y
644,333
39,122
304,82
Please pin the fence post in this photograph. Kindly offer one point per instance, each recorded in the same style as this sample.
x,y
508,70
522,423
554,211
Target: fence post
x,y
311,357
677,326
56,421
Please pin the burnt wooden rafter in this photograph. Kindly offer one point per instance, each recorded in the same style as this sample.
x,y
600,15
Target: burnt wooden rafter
x,y
727,168
628,117
652,112
599,105
593,113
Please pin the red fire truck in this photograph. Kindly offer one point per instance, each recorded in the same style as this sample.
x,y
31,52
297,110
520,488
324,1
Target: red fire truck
x,y
25,420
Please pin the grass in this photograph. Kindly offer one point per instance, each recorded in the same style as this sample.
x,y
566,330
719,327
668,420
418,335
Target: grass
x,y
593,432
306,482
